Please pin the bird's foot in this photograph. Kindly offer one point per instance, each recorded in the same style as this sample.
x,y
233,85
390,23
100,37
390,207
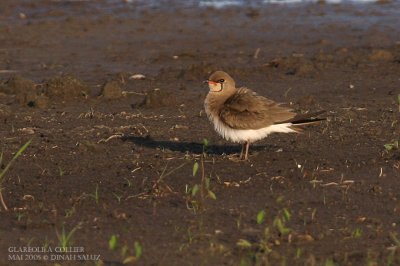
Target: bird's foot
x,y
236,158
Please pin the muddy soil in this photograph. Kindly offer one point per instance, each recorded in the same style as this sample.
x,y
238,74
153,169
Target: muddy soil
x,y
125,162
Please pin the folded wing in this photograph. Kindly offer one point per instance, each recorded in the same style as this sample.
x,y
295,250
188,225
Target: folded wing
x,y
247,110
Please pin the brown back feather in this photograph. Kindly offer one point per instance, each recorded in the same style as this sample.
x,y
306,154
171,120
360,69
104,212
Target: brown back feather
x,y
247,110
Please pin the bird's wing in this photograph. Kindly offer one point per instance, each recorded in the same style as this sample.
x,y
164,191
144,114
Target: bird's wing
x,y
247,110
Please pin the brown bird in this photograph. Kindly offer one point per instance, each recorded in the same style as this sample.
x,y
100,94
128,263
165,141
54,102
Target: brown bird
x,y
241,116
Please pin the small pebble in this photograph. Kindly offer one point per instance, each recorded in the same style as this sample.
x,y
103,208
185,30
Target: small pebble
x,y
137,76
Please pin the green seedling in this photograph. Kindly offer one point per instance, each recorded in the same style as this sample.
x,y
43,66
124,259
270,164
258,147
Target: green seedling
x,y
356,233
239,221
30,241
243,243
138,253
69,212
371,258
286,214
4,171
247,260
194,190
392,146
287,92
260,250
195,168
118,197
205,146
280,199
329,262
19,216
128,182
127,257
95,195
391,258
124,251
280,222
65,238
194,202
46,243
164,174
260,217
138,250
395,239
191,202
113,243
398,100
257,252
299,252
61,172
210,193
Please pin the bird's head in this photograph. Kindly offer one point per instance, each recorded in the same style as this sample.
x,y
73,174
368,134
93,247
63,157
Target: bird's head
x,y
220,83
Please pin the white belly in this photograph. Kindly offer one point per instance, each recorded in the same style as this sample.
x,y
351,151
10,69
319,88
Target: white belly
x,y
248,135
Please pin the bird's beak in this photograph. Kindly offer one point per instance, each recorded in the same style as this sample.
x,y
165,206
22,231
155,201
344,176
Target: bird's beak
x,y
210,82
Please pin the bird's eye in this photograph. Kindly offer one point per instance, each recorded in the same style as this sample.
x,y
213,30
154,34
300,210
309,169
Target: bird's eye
x,y
221,81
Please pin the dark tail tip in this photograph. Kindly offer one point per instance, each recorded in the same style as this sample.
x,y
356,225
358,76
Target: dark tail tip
x,y
308,118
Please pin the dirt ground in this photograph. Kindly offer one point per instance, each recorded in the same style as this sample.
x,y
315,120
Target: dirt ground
x,y
111,95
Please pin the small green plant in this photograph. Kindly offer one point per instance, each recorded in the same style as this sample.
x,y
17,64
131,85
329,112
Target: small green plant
x,y
239,221
203,189
131,259
210,193
70,212
299,252
205,146
46,243
398,100
113,242
160,186
260,217
61,172
124,251
329,262
19,216
243,243
258,253
138,250
118,197
30,241
128,182
395,239
95,195
393,257
195,168
287,92
4,171
356,233
392,146
191,201
371,259
190,236
65,238
280,221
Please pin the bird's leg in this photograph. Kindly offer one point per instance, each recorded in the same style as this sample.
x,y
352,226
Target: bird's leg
x,y
241,157
246,156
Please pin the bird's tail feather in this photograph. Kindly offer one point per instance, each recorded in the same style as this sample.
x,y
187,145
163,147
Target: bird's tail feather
x,y
306,119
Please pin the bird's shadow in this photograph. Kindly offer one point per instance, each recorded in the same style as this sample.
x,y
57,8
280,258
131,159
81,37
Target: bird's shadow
x,y
191,147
